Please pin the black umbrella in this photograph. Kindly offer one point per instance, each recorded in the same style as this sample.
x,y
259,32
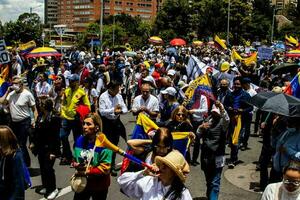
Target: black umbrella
x,y
278,103
285,67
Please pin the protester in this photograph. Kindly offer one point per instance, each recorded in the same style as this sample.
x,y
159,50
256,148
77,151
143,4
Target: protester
x,y
213,134
47,146
169,175
12,182
21,103
86,151
146,103
238,113
288,188
111,106
73,96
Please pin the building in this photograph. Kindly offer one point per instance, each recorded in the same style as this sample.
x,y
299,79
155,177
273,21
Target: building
x,y
77,14
51,11
281,4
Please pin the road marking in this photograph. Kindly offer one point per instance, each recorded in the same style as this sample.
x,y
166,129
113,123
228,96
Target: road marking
x,y
62,192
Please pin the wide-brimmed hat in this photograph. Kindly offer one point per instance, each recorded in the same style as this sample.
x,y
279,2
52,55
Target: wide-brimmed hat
x,y
176,162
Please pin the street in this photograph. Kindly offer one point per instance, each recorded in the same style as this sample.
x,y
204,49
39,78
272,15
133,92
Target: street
x,y
236,184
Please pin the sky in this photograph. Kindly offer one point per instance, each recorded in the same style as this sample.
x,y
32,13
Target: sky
x,y
11,9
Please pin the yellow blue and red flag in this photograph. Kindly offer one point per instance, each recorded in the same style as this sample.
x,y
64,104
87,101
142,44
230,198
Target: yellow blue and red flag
x,y
294,87
181,141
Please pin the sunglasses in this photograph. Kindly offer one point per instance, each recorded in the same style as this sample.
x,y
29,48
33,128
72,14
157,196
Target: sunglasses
x,y
289,182
179,114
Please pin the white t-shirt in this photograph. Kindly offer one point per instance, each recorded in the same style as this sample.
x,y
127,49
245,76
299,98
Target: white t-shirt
x,y
20,104
151,103
276,189
42,88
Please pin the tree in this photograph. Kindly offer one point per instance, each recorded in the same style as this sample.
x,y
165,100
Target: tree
x,y
27,27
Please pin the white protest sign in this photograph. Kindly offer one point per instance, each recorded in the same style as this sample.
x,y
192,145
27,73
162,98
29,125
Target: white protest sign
x,y
4,56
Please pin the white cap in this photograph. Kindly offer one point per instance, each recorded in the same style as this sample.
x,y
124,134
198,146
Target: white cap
x,y
170,91
215,109
150,79
171,72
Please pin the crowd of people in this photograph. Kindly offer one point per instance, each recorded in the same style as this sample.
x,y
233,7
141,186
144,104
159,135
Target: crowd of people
x,y
47,98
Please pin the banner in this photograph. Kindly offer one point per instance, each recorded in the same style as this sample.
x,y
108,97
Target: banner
x,y
265,53
4,56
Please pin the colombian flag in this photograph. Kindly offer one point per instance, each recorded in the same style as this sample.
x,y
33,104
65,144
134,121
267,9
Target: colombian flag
x,y
235,56
27,47
144,125
291,41
4,84
219,43
294,87
181,141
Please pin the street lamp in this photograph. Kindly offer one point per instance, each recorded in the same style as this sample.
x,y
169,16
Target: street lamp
x,y
31,8
228,22
101,23
43,38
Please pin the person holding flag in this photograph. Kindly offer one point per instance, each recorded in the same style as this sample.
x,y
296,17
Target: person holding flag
x,y
93,160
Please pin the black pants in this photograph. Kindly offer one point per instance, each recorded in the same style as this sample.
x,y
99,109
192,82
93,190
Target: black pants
x,y
196,149
47,171
22,129
86,195
113,129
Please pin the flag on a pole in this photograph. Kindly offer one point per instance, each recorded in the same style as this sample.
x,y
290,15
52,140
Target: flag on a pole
x,y
194,67
219,43
294,87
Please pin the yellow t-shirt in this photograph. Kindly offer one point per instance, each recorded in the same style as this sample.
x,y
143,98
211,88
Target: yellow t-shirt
x,y
72,100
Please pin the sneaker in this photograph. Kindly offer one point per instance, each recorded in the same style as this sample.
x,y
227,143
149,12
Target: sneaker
x,y
195,163
42,191
231,165
52,195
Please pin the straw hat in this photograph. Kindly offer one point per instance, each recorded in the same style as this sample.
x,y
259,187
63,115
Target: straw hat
x,y
277,89
176,162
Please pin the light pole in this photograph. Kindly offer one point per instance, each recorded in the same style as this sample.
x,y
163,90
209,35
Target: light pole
x,y
273,22
228,22
31,8
101,23
113,38
43,38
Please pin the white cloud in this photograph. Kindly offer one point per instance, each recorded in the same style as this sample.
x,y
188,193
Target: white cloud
x,y
11,9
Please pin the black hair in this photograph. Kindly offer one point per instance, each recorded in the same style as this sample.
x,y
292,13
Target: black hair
x,y
175,191
238,78
292,165
163,135
113,84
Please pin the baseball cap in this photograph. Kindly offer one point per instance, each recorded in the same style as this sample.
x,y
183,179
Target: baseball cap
x,y
73,77
171,72
170,91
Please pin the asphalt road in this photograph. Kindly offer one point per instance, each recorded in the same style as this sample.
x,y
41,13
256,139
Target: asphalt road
x,y
236,186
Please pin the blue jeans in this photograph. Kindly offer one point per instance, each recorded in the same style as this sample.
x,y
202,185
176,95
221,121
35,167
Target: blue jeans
x,y
213,182
65,130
